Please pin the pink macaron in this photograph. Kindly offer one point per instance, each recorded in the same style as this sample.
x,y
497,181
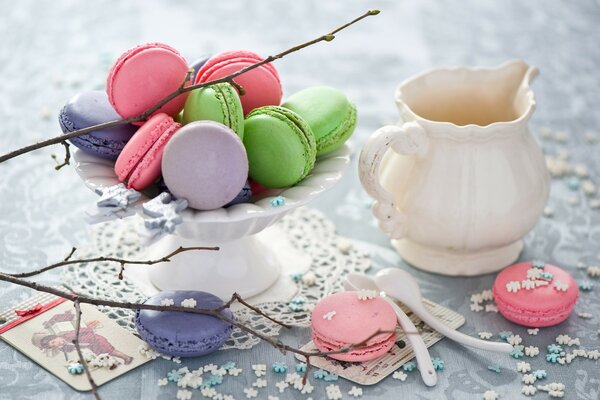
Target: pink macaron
x,y
535,294
261,85
143,76
139,164
342,319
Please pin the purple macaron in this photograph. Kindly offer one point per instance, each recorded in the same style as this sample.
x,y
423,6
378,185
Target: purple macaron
x,y
205,163
243,196
196,65
92,108
183,334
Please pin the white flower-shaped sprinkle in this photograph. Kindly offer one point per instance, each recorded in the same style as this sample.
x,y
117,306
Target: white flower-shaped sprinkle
x,y
490,395
593,271
570,357
533,331
163,382
399,375
561,286
333,392
485,335
292,377
476,307
250,393
282,385
534,273
328,316
528,379
584,315
523,367
513,286
532,351
234,371
307,388
528,390
189,303
487,295
514,340
210,368
574,342
260,383
208,392
541,283
556,393
259,369
528,284
309,278
167,302
593,354
580,352
491,308
364,294
355,392
184,395
563,339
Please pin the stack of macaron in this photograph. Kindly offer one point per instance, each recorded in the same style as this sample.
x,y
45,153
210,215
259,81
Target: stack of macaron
x,y
210,146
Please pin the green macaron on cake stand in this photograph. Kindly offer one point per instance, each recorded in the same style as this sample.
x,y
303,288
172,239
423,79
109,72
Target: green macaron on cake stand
x,y
248,262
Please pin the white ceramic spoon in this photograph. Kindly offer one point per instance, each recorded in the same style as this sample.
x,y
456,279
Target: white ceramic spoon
x,y
357,282
401,285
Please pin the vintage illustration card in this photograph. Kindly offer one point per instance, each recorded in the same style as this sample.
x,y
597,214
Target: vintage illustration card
x,y
43,328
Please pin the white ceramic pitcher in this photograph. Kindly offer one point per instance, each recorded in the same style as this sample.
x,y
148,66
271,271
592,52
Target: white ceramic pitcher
x,y
460,180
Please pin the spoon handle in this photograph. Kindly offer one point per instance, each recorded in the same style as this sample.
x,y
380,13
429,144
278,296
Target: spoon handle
x,y
418,345
455,335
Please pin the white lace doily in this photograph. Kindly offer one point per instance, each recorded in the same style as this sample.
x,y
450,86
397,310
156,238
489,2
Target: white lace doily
x,y
307,230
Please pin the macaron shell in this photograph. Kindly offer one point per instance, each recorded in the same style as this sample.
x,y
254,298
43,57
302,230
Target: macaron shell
x,y
219,103
143,76
140,161
183,334
261,85
281,148
92,108
364,353
328,112
538,307
206,164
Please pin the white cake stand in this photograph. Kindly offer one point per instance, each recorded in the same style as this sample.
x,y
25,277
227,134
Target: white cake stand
x,y
246,263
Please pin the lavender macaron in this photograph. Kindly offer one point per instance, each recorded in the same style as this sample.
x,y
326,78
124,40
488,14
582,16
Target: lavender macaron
x,y
183,334
205,163
92,108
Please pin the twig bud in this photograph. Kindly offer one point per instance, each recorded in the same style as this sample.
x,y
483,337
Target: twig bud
x,y
328,38
374,12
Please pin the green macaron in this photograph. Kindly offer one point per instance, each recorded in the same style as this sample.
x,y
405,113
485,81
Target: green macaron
x,y
219,103
328,112
280,145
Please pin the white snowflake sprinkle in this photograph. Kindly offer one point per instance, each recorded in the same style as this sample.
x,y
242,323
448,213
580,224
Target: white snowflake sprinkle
x,y
491,308
364,294
532,351
490,395
163,382
477,298
250,393
306,388
514,340
399,375
528,379
184,395
487,295
355,392
282,385
292,377
533,331
260,383
259,369
167,302
333,392
556,393
234,371
513,286
528,390
210,368
561,286
534,273
593,271
208,392
188,303
584,315
527,284
485,335
328,316
574,342
523,367
593,354
475,307
563,339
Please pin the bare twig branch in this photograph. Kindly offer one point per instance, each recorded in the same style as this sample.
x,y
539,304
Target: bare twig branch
x,y
183,89
82,360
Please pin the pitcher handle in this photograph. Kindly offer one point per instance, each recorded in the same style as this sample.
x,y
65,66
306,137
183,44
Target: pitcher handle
x,y
408,139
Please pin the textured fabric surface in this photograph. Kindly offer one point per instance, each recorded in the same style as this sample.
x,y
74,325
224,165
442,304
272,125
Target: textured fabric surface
x,y
51,50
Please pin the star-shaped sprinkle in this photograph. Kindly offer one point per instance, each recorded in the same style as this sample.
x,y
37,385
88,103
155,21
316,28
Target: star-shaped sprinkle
x,y
295,307
504,335
409,366
333,392
517,352
174,376
552,357
528,390
476,298
494,367
593,354
260,383
355,392
329,316
532,351
184,395
538,264
278,201
514,340
301,367
188,303
561,286
490,395
586,286
117,196
485,335
399,375
548,276
228,365
513,286
259,369
291,378
164,214
554,348
523,367
282,385
438,363
533,331
364,294
250,393
307,388
540,374
279,367
528,379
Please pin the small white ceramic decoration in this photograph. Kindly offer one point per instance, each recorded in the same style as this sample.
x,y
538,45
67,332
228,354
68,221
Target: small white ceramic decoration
x,y
245,263
460,180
